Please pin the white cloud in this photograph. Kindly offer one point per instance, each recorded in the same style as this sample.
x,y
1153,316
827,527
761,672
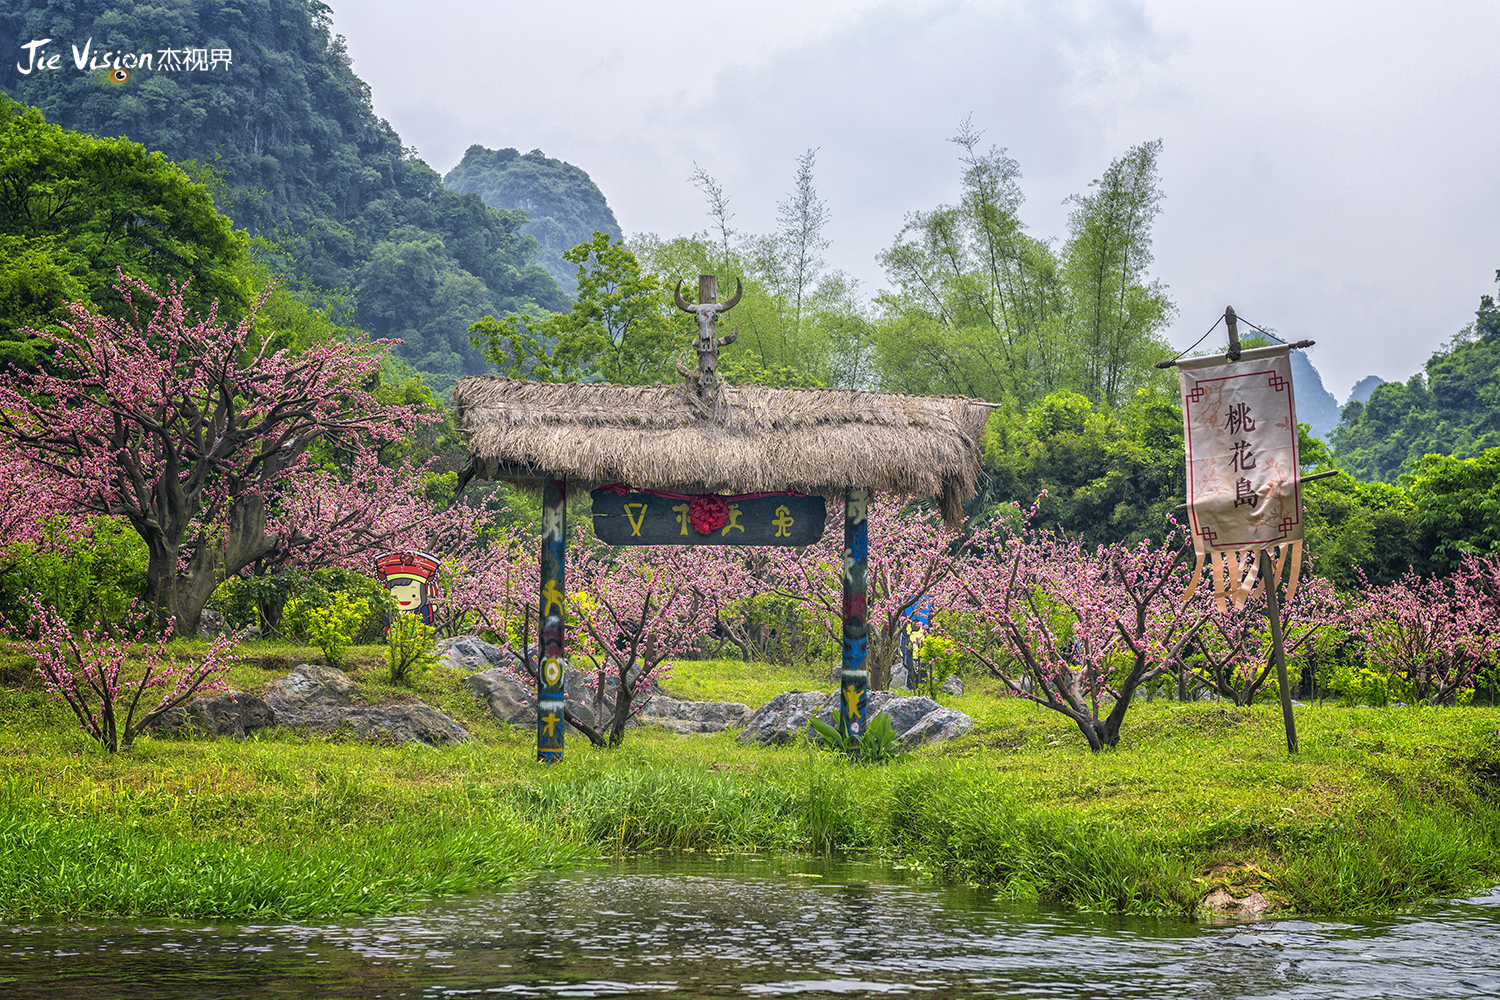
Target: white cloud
x,y
1328,166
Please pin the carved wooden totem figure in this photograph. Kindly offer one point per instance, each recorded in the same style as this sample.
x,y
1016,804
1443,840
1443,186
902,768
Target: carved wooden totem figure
x,y
707,312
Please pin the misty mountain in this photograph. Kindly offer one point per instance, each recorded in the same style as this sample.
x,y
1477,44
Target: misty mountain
x,y
275,110
1316,406
563,206
1362,389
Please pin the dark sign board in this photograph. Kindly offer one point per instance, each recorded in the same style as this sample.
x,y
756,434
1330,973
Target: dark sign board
x,y
643,519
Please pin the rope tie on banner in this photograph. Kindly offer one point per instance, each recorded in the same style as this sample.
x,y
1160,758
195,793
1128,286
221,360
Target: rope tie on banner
x,y
707,511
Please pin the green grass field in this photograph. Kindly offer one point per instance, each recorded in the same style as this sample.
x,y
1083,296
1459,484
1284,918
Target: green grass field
x,y
1382,809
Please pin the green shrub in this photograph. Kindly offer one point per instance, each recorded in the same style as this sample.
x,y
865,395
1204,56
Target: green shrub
x,y
264,601
1361,686
88,576
330,625
878,744
410,648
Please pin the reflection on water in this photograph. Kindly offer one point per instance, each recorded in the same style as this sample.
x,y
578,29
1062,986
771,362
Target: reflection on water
x,y
759,927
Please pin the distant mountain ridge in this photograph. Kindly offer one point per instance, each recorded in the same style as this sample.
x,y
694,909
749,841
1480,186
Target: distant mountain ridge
x,y
1316,406
291,130
563,205
1362,389
1450,408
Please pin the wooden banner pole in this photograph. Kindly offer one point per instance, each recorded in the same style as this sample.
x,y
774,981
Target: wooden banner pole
x,y
1272,581
550,706
854,676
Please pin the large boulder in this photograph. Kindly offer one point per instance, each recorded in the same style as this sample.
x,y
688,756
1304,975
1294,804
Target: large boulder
x,y
785,717
323,700
917,720
687,717
319,699
470,653
234,714
417,722
513,700
936,726
311,685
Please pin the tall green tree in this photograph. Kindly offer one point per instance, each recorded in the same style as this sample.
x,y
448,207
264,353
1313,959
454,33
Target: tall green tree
x,y
619,329
1103,475
75,208
982,308
1117,317
1458,500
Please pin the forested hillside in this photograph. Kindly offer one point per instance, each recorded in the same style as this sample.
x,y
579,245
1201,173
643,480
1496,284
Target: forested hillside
x,y
563,206
1450,408
275,109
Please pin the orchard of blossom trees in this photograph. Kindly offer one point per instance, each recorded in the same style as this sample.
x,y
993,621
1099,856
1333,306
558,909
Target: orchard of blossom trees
x,y
230,459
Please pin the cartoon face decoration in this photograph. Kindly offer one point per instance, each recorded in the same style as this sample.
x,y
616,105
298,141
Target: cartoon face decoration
x,y
410,578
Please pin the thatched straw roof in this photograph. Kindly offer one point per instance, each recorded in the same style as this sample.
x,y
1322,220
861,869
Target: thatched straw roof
x,y
751,439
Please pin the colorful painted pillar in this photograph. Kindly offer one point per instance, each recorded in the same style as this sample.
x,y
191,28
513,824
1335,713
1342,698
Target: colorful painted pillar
x,y
854,679
549,680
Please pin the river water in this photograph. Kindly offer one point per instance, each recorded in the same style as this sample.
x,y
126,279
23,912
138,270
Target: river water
x,y
748,927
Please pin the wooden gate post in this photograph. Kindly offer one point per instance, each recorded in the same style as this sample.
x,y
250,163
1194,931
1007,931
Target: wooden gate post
x,y
1271,575
854,678
552,609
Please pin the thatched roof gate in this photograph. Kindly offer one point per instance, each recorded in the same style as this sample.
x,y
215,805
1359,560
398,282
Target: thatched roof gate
x,y
743,439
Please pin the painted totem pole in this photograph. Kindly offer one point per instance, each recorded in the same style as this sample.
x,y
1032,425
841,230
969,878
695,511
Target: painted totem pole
x,y
854,678
550,706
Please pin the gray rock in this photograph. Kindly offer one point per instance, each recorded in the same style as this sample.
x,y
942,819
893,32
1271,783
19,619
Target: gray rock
x,y
954,685
234,714
413,723
694,716
509,700
311,684
785,717
211,624
513,700
937,726
322,700
898,675
250,632
470,653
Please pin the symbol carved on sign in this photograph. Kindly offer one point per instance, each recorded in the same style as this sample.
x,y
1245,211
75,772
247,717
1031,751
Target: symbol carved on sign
x,y
644,519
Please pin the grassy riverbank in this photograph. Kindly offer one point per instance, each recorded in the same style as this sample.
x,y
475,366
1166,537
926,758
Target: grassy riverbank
x,y
1381,810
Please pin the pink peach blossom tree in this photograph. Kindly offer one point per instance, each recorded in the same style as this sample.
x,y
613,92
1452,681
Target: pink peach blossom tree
x,y
89,669
194,432
1081,629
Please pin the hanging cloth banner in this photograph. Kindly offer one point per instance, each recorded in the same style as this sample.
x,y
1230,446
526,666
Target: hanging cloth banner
x,y
1240,428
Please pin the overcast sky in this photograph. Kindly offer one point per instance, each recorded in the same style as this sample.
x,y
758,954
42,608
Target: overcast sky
x,y
1330,168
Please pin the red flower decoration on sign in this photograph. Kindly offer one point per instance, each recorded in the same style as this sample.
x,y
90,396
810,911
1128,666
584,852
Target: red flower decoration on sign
x,y
708,512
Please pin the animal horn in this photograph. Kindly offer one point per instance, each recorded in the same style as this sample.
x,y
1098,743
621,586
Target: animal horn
x,y
681,302
739,289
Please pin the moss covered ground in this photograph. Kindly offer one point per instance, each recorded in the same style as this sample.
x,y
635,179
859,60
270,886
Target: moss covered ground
x,y
1381,810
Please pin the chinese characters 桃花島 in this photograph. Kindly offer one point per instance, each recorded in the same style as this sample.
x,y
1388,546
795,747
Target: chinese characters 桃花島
x,y
1244,493
1238,419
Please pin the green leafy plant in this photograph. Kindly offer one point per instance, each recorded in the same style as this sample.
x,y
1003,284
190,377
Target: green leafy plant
x,y
1361,686
878,745
410,648
940,655
330,626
